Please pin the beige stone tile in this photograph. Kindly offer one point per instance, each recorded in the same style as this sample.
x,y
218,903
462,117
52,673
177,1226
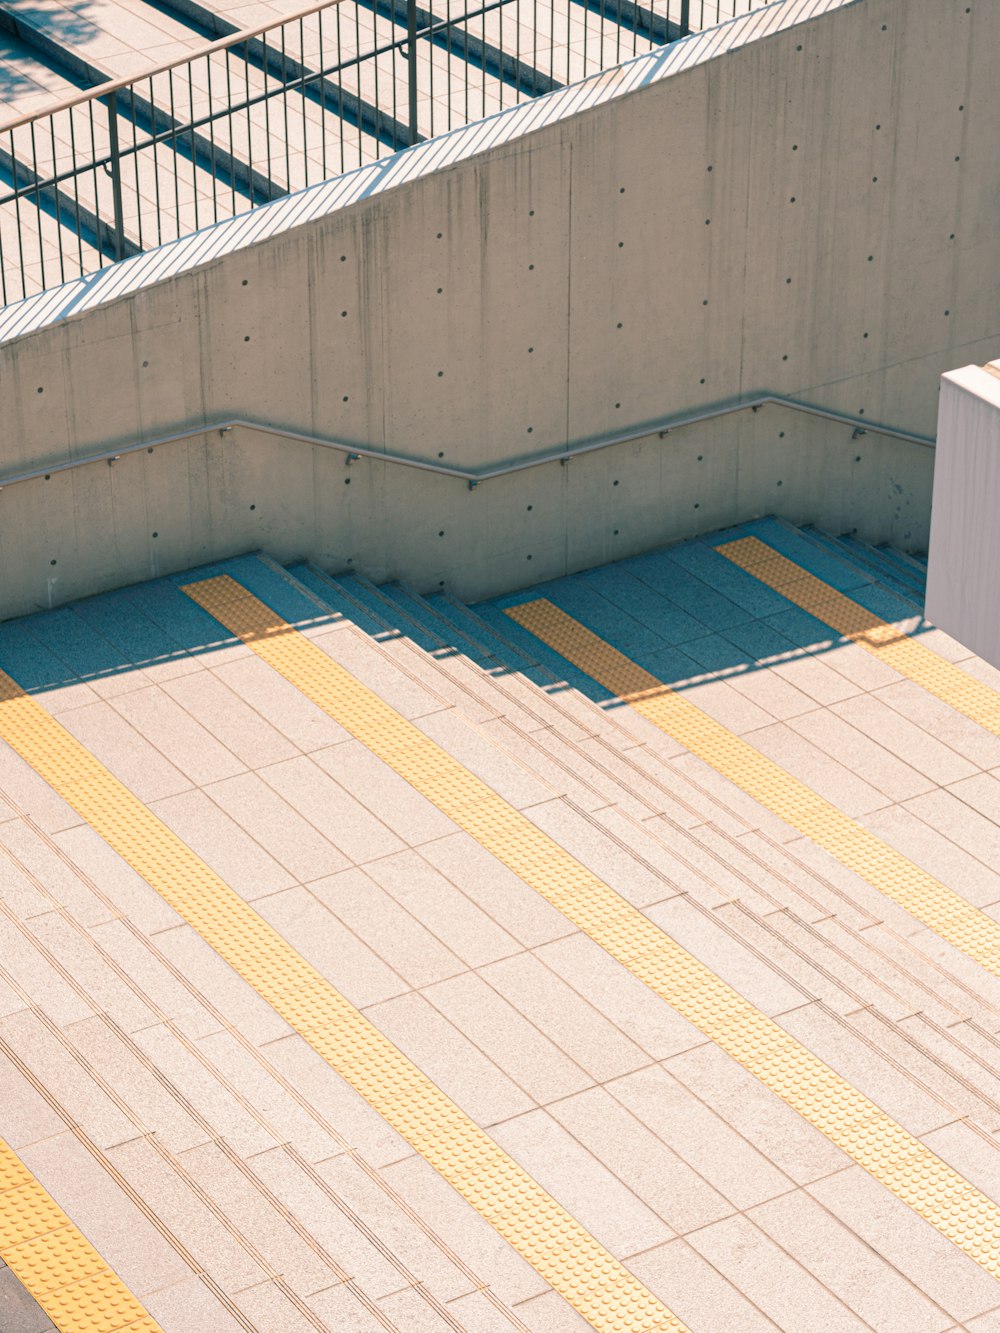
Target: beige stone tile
x,y
23,896
551,1314
621,997
522,912
702,1139
461,1232
40,981
220,985
22,786
220,842
640,1159
241,728
767,687
267,1306
25,1114
586,1189
162,987
288,710
393,800
51,874
974,1154
154,1104
478,1312
66,1080
835,674
986,1323
412,1310
922,1254
177,735
358,655
574,1025
187,1214
722,950
940,1064
332,810
102,984
205,1091
869,714
696,1291
849,1268
127,1239
478,753
333,1220
127,754
933,850
415,1252
128,893
462,926
730,799
884,770
470,1078
830,778
566,769
776,1284
289,838
336,952
734,709
787,1140
251,1215
951,728
406,945
804,956
592,846
340,1309
866,1068
498,1028
189,1307
856,901
334,1101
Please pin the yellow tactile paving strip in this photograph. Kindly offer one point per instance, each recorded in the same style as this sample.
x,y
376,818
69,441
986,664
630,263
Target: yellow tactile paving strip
x,y
890,645
924,897
865,1133
570,1259
58,1265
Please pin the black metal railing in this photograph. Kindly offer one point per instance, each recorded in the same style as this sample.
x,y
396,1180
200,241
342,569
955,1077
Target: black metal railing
x,y
263,113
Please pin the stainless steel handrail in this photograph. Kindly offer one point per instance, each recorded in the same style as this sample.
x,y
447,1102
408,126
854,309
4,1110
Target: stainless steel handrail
x,y
662,427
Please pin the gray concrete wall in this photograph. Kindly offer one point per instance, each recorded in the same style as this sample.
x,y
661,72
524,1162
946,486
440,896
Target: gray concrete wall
x,y
813,213
963,592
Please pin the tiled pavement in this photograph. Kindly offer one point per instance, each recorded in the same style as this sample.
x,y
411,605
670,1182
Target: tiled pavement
x,y
386,800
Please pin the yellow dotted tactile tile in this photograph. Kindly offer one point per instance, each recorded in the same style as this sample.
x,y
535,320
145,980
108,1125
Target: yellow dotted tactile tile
x,y
58,1265
865,1133
890,645
924,897
566,1255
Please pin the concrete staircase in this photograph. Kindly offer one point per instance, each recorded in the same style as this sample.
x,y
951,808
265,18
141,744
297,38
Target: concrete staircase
x,y
234,1180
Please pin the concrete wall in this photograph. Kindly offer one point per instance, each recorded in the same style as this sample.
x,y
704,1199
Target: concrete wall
x,y
813,213
963,592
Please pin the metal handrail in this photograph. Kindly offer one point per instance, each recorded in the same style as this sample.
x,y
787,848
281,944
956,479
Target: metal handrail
x,y
353,452
101,90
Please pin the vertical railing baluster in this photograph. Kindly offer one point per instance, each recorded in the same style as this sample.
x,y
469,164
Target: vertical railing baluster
x,y
116,175
412,68
685,17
